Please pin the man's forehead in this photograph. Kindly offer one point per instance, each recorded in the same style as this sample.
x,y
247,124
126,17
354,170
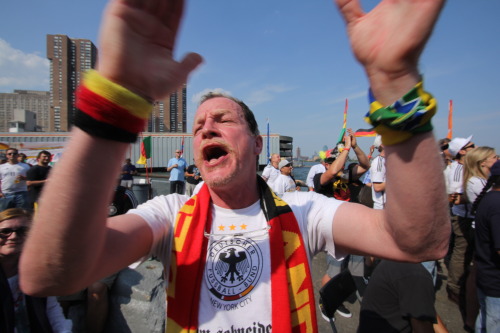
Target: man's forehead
x,y
218,106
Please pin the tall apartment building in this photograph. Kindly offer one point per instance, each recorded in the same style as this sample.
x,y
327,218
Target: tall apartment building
x,y
29,100
169,115
69,59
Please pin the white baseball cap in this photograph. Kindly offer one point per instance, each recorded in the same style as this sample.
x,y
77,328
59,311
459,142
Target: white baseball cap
x,y
457,144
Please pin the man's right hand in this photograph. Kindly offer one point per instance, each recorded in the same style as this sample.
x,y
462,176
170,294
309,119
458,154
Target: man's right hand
x,y
137,42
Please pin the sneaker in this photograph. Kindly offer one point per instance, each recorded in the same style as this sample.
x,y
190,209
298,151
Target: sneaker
x,y
343,311
321,311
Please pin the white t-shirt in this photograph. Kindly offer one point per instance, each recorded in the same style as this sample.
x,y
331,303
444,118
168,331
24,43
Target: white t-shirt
x,y
475,186
284,184
270,173
315,169
456,185
377,175
236,289
9,173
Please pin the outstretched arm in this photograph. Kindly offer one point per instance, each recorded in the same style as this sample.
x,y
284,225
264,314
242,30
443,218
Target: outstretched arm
x,y
72,243
337,165
363,162
414,226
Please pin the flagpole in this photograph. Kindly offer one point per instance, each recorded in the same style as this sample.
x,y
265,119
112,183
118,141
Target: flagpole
x,y
344,125
450,120
268,139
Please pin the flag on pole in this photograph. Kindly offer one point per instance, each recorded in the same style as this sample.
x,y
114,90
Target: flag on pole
x,y
145,150
268,139
365,132
182,147
450,121
342,132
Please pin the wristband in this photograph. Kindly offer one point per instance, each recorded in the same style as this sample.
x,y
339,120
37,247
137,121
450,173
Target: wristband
x,y
110,111
369,156
408,116
346,149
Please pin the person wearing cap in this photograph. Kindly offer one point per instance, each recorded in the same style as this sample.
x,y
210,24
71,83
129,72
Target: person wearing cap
x,y
272,170
284,182
461,221
334,181
487,252
378,175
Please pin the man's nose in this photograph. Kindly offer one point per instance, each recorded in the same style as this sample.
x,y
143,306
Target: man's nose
x,y
210,129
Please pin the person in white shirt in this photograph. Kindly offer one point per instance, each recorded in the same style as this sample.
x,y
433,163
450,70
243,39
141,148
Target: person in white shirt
x,y
136,54
378,176
461,222
314,170
271,171
284,182
14,190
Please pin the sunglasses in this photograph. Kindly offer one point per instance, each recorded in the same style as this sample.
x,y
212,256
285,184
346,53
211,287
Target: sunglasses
x,y
11,154
470,146
444,147
6,232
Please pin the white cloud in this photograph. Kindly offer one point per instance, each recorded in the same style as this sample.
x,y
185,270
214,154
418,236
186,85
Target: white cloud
x,y
266,94
19,70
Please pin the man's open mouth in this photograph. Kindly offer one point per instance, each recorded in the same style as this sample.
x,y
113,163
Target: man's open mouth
x,y
214,153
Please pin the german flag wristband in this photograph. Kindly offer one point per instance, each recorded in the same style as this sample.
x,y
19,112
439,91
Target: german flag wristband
x,y
108,110
408,116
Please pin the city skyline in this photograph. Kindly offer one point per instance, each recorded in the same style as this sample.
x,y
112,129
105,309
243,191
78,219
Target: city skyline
x,y
289,61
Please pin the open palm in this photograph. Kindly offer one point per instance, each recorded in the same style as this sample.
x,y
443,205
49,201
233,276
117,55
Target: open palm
x,y
137,43
391,37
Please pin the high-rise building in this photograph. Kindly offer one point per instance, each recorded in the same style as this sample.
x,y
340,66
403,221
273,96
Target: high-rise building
x,y
69,59
35,101
169,115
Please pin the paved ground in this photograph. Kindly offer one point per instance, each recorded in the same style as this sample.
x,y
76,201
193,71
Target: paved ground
x,y
448,311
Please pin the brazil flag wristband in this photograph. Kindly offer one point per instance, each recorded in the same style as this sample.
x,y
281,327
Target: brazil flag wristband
x,y
408,116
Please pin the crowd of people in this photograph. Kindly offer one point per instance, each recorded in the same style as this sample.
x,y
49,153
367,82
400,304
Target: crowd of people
x,y
237,252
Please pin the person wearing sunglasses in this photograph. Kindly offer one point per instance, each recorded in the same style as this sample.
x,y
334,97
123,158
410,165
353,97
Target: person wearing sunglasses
x,y
461,221
13,175
20,312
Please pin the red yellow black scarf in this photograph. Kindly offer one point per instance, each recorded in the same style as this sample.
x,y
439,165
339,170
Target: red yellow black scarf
x,y
291,283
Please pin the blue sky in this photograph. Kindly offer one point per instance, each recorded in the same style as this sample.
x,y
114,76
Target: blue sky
x,y
288,59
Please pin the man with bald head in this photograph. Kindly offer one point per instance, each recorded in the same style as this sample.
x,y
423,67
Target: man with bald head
x,y
237,256
271,171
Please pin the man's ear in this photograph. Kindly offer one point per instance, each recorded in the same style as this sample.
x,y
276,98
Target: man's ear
x,y
259,143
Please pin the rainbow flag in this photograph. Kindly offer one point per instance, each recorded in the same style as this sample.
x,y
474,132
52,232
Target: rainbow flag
x,y
344,125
